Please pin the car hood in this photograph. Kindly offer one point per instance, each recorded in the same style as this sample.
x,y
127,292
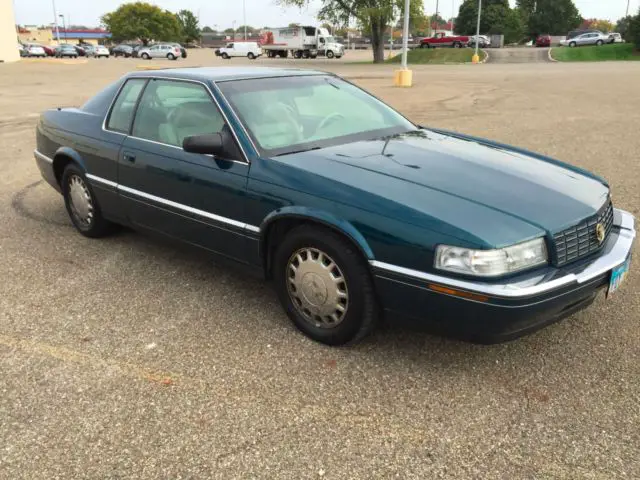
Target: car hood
x,y
430,172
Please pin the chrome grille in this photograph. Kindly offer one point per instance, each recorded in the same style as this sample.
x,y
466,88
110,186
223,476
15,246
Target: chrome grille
x,y
581,240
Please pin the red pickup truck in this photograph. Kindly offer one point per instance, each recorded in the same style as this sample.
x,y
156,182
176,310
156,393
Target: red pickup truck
x,y
442,40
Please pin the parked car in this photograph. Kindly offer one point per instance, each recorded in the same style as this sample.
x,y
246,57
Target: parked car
x,y
616,38
250,50
34,50
160,50
442,40
136,50
183,51
593,38
543,40
66,50
100,51
576,33
48,50
80,50
484,41
88,50
348,207
122,51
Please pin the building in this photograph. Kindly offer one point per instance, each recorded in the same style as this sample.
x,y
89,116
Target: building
x,y
47,35
8,36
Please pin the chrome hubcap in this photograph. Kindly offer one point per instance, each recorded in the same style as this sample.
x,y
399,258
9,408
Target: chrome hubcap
x,y
317,287
80,200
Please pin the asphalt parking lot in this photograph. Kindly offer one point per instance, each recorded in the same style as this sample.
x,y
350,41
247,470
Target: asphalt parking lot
x,y
128,358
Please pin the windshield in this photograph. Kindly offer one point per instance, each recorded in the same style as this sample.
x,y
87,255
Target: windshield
x,y
290,114
330,39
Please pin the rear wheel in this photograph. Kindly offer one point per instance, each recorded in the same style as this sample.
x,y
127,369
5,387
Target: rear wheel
x,y
297,54
171,56
325,286
457,45
425,45
81,204
599,43
306,54
251,56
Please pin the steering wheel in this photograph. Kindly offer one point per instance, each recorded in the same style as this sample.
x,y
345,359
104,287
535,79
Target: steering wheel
x,y
328,119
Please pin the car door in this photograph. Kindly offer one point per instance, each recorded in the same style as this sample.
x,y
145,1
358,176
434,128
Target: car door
x,y
192,197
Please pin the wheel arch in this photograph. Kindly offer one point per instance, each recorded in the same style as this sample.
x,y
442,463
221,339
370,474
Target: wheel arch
x,y
277,224
63,157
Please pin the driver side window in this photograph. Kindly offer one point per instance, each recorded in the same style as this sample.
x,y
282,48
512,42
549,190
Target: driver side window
x,y
170,111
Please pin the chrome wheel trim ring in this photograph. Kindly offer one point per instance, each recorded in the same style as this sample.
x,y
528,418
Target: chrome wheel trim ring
x,y
80,200
317,287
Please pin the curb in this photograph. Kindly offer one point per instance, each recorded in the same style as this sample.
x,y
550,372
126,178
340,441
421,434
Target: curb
x,y
551,59
55,61
486,56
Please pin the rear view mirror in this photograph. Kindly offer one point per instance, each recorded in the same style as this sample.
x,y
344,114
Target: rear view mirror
x,y
210,144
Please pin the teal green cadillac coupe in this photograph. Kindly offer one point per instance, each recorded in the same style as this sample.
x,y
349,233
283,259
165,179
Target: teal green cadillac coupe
x,y
349,208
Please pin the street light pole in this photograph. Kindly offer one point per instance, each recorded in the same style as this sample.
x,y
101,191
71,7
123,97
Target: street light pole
x,y
628,3
476,57
437,10
64,25
405,35
244,18
55,18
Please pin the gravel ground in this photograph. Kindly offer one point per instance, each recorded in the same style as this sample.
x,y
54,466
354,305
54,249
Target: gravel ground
x,y
129,358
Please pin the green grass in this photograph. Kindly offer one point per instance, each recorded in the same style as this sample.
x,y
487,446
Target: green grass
x,y
437,56
618,51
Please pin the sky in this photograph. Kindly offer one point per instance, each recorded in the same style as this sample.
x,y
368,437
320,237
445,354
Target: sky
x,y
259,13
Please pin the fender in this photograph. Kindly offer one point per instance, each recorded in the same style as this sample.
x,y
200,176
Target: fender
x,y
72,154
317,216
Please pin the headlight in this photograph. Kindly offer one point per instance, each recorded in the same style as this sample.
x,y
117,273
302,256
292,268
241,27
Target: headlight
x,y
492,263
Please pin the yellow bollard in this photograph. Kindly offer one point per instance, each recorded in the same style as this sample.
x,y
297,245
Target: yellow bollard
x,y
403,78
475,59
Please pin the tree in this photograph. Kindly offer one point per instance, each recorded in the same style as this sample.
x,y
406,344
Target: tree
x,y
190,25
142,21
373,15
622,27
604,26
229,30
207,29
555,17
633,33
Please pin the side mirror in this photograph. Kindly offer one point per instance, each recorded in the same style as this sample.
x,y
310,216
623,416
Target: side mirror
x,y
211,144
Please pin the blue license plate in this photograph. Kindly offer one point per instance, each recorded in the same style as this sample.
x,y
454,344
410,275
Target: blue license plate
x,y
618,275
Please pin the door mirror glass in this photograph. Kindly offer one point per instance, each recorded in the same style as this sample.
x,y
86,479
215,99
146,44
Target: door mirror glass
x,y
210,144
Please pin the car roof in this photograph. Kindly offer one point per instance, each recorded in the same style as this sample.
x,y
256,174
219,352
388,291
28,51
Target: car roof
x,y
222,74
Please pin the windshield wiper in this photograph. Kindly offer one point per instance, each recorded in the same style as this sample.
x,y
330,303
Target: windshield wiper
x,y
298,151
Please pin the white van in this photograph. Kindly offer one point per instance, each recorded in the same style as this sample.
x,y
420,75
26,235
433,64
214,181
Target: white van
x,y
251,50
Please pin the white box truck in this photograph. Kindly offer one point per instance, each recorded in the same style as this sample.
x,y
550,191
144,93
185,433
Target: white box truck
x,y
300,42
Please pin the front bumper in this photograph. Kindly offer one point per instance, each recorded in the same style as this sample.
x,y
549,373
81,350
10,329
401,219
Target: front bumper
x,y
494,312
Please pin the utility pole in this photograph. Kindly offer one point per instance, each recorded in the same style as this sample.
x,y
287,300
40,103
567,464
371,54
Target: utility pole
x,y
64,25
437,9
628,3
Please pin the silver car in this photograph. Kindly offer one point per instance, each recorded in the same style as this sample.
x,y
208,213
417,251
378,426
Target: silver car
x,y
160,50
593,38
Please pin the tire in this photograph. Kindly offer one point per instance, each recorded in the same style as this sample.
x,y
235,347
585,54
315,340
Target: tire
x,y
355,293
297,54
306,54
89,223
225,55
171,56
572,44
330,54
599,43
457,45
145,56
251,56
425,45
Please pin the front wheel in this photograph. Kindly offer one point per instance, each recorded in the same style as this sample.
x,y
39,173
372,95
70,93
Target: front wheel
x,y
145,56
330,54
572,44
324,285
225,56
81,204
